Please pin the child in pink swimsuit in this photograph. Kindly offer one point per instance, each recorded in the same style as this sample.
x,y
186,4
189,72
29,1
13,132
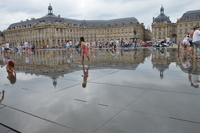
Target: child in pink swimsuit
x,y
84,50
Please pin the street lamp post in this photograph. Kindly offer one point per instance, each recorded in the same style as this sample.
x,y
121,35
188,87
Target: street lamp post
x,y
134,39
134,32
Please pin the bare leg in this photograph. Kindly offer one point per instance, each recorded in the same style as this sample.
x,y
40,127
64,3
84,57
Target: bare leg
x,y
82,59
88,58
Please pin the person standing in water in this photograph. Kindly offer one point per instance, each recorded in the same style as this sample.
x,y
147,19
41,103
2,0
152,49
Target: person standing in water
x,y
84,50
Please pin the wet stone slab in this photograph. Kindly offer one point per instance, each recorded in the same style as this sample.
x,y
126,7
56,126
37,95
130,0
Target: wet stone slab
x,y
144,90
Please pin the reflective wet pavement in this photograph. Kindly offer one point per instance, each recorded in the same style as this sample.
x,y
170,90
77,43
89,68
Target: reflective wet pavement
x,y
146,90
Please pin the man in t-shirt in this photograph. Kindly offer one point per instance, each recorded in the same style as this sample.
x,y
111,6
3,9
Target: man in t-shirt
x,y
7,48
196,39
168,41
26,46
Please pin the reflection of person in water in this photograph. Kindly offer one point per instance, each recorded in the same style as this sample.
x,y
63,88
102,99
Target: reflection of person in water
x,y
2,97
193,73
11,70
85,75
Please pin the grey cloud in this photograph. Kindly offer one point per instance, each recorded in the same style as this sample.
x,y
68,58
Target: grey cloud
x,y
143,10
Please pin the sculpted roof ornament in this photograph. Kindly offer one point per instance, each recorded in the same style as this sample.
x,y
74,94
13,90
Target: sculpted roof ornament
x,y
50,12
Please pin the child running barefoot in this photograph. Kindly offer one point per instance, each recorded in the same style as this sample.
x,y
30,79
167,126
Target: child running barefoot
x,y
84,50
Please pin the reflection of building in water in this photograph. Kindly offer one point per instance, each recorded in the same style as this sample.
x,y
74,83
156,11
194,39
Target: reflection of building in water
x,y
161,59
53,64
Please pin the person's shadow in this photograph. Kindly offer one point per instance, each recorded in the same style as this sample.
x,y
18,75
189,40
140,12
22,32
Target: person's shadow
x,y
85,75
2,97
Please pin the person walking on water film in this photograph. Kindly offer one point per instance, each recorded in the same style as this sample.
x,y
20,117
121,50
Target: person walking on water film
x,y
84,50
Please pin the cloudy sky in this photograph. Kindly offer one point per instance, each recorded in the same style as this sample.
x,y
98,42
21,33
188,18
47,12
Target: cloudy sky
x,y
13,11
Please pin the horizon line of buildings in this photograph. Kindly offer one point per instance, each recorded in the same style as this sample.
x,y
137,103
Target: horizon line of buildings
x,y
53,30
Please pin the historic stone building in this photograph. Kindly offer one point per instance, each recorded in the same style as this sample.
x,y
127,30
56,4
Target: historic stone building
x,y
163,28
185,24
53,30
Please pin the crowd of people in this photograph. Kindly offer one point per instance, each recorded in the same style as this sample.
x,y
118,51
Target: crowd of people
x,y
191,43
190,48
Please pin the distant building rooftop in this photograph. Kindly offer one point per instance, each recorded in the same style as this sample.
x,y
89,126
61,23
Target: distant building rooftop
x,y
51,18
195,14
162,17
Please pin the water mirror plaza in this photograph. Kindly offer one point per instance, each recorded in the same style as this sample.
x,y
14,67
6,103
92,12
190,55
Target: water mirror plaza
x,y
143,90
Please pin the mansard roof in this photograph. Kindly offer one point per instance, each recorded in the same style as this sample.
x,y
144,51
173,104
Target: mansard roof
x,y
73,22
162,18
51,18
195,14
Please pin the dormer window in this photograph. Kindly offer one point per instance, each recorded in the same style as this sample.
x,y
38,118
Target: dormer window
x,y
186,18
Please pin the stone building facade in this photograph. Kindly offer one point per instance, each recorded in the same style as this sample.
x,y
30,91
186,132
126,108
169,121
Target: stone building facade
x,y
185,24
53,30
163,28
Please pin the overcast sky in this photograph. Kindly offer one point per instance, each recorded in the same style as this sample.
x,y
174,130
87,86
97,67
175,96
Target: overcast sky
x,y
13,11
